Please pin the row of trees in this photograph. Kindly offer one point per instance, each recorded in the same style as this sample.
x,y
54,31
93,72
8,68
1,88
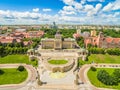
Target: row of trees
x,y
95,50
18,48
12,50
49,33
112,33
67,32
111,51
107,32
115,51
12,44
108,79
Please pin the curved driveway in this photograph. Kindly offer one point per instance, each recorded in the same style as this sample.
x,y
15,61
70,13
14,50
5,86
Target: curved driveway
x,y
31,76
83,74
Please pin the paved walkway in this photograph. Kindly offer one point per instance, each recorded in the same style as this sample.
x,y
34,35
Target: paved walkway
x,y
31,76
84,69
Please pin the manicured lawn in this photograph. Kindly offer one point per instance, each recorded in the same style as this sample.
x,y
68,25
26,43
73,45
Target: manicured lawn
x,y
57,62
14,59
17,59
92,75
13,76
101,58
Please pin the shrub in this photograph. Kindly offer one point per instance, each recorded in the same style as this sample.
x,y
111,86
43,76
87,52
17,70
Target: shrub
x,y
21,68
1,72
93,68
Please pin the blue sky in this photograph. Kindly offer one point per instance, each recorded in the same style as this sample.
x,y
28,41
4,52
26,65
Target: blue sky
x,y
61,11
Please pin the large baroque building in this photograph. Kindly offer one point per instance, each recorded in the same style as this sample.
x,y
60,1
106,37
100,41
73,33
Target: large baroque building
x,y
58,42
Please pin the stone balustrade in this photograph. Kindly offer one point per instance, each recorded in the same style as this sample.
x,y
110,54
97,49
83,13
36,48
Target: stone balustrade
x,y
61,67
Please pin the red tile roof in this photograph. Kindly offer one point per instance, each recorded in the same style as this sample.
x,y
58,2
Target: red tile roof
x,y
6,40
114,40
75,35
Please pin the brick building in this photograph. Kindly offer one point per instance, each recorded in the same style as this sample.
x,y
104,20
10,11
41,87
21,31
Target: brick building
x,y
102,41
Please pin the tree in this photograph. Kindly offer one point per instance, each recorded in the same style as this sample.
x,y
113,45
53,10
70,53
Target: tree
x,y
21,68
116,74
1,50
80,41
89,46
105,78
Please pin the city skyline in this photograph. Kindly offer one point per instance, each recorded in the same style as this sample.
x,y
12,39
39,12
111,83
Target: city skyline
x,y
104,12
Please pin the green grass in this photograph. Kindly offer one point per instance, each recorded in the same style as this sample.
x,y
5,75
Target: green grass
x,y
13,76
101,58
34,63
58,62
14,59
92,75
17,59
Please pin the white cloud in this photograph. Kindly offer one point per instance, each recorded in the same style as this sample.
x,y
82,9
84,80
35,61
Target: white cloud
x,y
116,14
36,10
108,7
63,12
95,0
98,7
116,5
78,6
69,2
47,9
88,8
112,6
83,1
73,12
68,8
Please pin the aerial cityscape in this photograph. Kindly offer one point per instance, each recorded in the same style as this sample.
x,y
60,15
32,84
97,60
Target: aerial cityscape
x,y
60,45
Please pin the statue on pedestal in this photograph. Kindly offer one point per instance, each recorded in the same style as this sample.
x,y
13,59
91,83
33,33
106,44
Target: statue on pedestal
x,y
39,81
76,80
